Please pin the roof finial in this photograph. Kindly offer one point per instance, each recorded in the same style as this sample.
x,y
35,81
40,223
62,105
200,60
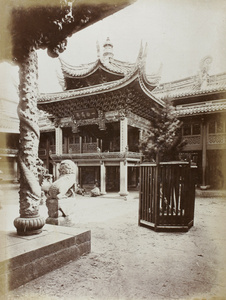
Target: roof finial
x,y
108,50
98,49
204,71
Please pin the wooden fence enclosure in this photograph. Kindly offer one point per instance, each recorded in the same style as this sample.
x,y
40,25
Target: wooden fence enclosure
x,y
167,196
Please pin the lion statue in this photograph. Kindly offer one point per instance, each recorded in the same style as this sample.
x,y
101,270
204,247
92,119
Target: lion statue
x,y
62,188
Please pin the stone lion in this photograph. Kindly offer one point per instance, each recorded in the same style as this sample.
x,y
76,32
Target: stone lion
x,y
64,186
60,190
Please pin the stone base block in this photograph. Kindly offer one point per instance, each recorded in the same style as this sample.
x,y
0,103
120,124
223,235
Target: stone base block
x,y
24,258
61,221
63,207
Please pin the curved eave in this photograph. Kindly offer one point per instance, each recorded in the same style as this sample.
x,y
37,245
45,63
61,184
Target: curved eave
x,y
197,93
117,67
73,72
78,93
147,91
218,106
98,89
151,85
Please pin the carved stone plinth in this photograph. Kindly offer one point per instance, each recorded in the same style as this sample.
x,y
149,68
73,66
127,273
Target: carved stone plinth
x,y
29,226
60,211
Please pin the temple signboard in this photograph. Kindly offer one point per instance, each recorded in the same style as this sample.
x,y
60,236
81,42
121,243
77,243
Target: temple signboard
x,y
85,114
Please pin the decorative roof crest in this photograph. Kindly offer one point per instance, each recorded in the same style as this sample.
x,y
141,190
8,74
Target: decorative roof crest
x,y
203,75
98,49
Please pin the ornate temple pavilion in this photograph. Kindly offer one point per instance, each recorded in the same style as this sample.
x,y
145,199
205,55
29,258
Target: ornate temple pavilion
x,y
98,119
200,102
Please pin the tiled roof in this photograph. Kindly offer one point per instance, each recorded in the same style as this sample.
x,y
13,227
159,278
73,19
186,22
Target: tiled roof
x,y
201,108
9,124
101,88
191,86
111,65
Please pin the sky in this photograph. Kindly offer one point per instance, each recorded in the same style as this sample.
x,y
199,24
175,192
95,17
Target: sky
x,y
179,34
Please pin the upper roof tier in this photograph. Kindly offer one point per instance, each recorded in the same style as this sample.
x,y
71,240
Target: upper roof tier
x,y
104,69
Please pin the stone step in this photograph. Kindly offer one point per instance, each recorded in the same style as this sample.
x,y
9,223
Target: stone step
x,y
24,258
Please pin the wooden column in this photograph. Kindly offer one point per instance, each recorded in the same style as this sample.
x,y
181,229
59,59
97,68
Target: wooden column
x,y
47,153
59,140
123,134
80,144
15,170
102,178
204,157
76,173
123,164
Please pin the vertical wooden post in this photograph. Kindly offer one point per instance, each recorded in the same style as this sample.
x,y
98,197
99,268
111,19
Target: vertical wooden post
x,y
103,178
204,157
123,149
156,195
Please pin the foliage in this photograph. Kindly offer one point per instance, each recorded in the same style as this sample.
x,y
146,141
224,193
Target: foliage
x,y
164,138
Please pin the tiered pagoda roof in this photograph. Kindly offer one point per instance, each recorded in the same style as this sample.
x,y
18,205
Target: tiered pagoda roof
x,y
104,76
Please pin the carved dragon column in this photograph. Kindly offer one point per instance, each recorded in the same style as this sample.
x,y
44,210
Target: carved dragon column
x,y
29,221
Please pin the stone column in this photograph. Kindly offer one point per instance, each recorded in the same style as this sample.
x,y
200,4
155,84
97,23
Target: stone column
x,y
204,157
123,164
102,178
29,222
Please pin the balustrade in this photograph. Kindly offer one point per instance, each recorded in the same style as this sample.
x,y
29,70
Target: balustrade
x,y
217,138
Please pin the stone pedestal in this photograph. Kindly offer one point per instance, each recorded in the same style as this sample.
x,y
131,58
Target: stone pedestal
x,y
60,211
29,226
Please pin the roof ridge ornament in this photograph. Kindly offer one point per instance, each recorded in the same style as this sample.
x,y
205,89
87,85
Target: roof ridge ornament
x,y
98,49
203,74
108,50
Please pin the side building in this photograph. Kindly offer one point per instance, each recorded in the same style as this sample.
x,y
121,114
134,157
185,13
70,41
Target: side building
x,y
98,120
200,101
9,140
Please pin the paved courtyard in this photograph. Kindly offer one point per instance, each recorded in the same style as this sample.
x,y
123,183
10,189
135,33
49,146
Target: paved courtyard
x,y
132,262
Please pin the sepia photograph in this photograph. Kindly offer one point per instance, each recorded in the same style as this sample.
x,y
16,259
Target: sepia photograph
x,y
113,149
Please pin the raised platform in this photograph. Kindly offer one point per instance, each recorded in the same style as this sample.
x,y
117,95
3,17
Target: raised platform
x,y
210,193
24,258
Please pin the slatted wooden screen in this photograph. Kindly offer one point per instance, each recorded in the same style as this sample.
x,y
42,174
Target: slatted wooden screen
x,y
167,196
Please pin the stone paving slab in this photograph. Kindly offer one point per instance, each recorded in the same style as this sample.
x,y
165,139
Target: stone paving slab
x,y
130,262
24,258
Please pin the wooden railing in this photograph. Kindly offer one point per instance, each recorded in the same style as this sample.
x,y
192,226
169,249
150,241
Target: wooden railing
x,y
167,196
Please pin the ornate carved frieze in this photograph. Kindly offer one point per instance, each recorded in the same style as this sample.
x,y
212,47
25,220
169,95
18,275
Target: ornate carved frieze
x,y
100,156
127,99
